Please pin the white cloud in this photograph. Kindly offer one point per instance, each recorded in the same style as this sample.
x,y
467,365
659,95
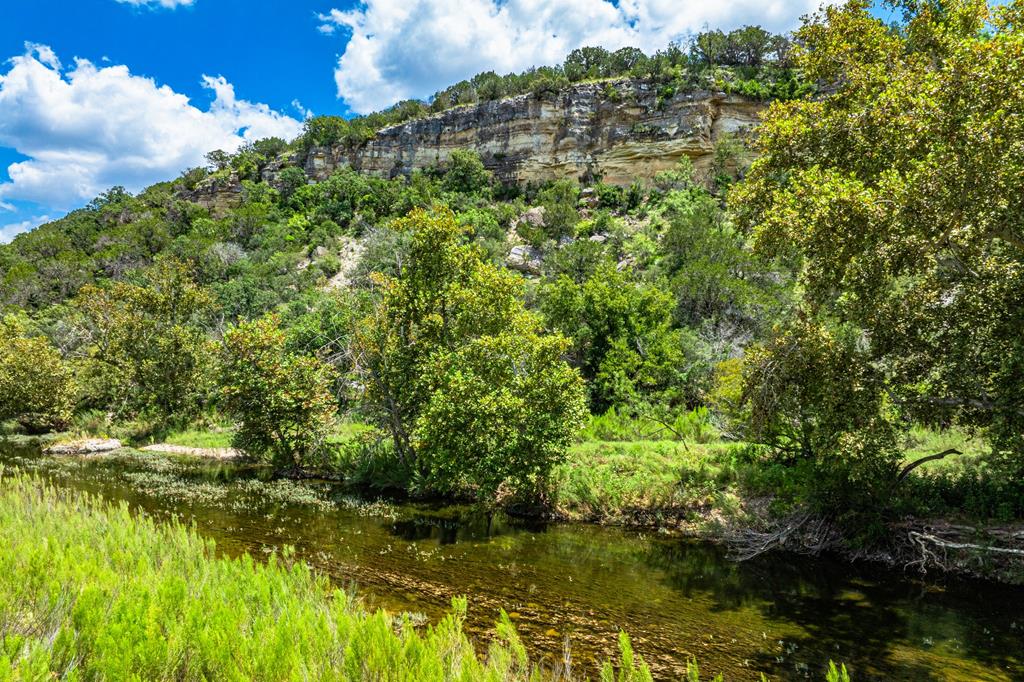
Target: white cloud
x,y
411,48
11,230
167,4
87,128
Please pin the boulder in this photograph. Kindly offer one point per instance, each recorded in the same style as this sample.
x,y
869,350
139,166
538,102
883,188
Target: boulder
x,y
525,259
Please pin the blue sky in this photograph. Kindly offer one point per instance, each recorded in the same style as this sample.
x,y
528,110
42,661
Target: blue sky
x,y
95,93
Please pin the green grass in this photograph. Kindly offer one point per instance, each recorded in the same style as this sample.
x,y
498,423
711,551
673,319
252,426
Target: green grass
x,y
201,438
220,437
922,442
611,481
90,591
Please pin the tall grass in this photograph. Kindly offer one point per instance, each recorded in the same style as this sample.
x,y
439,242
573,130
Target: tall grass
x,y
89,591
695,426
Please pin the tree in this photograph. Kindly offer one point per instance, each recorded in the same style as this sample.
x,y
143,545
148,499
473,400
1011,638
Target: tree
x,y
749,46
144,345
464,173
812,393
36,386
622,339
898,198
475,397
560,201
283,401
586,62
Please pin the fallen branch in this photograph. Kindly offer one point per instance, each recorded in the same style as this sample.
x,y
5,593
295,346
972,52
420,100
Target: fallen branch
x,y
930,458
752,544
919,538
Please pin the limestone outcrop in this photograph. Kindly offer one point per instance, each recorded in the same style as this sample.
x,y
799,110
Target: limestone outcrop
x,y
618,131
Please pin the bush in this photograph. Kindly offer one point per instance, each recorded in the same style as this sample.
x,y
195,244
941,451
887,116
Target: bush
x,y
560,201
36,386
148,352
282,400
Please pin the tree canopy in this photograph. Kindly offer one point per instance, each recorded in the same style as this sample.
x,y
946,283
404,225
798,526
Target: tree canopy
x,y
897,195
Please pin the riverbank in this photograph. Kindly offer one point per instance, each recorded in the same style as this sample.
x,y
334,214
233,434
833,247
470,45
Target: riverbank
x,y
945,518
113,594
678,598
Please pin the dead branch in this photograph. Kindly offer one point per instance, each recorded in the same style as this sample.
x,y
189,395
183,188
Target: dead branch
x,y
920,538
930,458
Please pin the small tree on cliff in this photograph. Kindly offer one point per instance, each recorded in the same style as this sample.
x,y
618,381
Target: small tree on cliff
x,y
458,372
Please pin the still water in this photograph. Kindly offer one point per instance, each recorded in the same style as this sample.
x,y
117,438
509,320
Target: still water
x,y
576,586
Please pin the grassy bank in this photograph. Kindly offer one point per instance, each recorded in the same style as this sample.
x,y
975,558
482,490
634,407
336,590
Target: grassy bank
x,y
91,591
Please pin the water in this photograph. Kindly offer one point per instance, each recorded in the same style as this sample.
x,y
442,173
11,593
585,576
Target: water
x,y
578,585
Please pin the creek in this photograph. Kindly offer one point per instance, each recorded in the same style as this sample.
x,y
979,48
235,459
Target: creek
x,y
573,587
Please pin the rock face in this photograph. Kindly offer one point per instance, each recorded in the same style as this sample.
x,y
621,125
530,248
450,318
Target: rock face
x,y
618,131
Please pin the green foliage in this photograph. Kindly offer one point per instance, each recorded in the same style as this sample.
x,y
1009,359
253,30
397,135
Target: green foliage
x,y
142,346
815,397
622,338
321,323
283,401
907,225
560,201
464,173
113,595
717,282
36,385
457,371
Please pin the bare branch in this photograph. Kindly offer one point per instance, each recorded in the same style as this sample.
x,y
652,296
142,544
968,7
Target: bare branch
x,y
930,458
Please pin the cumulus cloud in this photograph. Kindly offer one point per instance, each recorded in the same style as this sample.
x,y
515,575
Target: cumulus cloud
x,y
399,49
86,128
167,4
11,230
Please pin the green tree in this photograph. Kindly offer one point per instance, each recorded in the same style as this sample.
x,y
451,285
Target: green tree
x,y
623,340
561,213
36,385
283,401
475,397
464,173
898,197
145,346
812,393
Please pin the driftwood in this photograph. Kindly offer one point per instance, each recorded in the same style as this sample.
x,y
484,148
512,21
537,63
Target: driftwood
x,y
804,533
948,548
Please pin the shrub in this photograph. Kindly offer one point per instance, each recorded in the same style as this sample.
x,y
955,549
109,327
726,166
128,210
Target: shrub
x,y
36,386
457,371
282,400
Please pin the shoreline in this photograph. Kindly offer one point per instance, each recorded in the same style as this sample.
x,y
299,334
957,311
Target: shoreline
x,y
933,547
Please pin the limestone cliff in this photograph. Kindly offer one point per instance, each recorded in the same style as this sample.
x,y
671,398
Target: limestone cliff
x,y
618,131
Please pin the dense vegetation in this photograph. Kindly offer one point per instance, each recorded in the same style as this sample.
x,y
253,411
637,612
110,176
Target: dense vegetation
x,y
858,283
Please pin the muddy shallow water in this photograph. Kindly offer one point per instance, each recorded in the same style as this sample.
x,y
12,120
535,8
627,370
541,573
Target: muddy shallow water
x,y
578,585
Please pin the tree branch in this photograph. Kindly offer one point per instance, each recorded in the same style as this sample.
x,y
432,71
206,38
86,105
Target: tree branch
x,y
930,458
